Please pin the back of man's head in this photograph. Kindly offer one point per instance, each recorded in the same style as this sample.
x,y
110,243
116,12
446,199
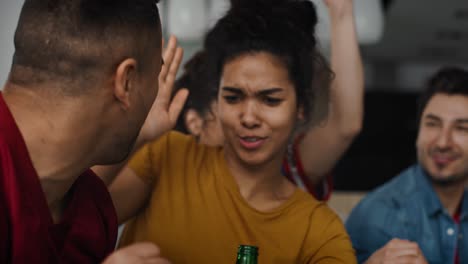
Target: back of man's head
x,y
71,44
449,81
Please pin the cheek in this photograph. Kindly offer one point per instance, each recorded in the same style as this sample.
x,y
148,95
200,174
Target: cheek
x,y
427,141
421,144
461,140
227,115
280,117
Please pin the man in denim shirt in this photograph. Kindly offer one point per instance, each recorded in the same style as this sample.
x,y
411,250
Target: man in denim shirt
x,y
421,216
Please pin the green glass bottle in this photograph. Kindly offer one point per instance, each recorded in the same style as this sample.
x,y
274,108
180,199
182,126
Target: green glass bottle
x,y
247,254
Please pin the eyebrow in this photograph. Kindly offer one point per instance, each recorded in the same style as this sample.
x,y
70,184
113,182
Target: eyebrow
x,y
232,90
434,117
270,91
261,93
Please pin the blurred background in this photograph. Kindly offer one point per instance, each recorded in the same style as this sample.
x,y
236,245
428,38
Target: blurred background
x,y
402,43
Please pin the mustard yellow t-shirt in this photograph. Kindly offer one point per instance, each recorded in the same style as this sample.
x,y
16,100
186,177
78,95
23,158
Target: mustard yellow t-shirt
x,y
196,213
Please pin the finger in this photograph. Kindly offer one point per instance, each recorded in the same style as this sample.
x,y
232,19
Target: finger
x,y
177,104
406,260
327,3
163,52
157,261
162,74
170,48
400,243
403,252
165,87
174,68
168,55
144,250
163,98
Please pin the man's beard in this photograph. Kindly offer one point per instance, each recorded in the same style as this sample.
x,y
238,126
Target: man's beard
x,y
120,152
445,181
452,180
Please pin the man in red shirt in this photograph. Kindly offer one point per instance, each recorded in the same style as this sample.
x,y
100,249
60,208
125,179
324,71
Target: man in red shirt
x,y
83,78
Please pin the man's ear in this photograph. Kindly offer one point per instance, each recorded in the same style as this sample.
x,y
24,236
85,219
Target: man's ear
x,y
193,122
125,76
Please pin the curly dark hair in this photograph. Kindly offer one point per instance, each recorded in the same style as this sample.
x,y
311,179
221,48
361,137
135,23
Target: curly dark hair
x,y
448,80
284,28
70,41
200,85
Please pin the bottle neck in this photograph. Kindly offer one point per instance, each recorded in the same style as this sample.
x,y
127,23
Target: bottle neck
x,y
247,254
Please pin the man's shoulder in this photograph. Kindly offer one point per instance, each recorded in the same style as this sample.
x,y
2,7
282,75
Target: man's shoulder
x,y
88,177
386,200
396,190
89,185
92,185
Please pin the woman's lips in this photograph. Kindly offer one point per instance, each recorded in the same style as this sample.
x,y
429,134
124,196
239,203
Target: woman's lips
x,y
251,142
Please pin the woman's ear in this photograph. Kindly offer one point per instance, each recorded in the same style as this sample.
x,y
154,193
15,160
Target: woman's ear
x,y
300,114
193,122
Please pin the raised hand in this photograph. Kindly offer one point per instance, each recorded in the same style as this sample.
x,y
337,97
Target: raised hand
x,y
165,110
339,8
139,253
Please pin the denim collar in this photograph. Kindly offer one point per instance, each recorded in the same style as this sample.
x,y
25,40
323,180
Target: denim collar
x,y
430,199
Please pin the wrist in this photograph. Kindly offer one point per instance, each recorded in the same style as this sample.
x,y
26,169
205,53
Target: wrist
x,y
141,140
342,19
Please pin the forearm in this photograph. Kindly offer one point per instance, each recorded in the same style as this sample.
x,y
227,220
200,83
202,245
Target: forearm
x,y
322,146
347,88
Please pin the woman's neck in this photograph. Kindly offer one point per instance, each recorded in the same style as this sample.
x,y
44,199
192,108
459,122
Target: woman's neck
x,y
261,185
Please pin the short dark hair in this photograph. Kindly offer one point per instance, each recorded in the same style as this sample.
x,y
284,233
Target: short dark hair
x,y
284,28
448,80
70,41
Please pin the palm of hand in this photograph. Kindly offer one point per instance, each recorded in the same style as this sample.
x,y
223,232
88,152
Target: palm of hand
x,y
163,115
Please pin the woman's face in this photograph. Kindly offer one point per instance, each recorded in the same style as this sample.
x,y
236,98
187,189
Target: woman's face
x,y
257,108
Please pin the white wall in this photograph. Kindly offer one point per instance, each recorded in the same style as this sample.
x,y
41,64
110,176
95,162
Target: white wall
x,y
9,13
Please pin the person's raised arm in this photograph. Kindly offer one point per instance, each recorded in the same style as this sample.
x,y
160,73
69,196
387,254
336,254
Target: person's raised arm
x,y
322,146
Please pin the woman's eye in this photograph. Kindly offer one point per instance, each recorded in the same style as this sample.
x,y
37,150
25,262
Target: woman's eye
x,y
462,129
231,99
271,101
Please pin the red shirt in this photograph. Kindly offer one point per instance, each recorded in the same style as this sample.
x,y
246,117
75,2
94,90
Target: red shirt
x,y
294,171
88,230
456,218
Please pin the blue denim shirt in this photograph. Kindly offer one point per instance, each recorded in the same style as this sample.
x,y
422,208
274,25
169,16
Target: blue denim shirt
x,y
408,208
